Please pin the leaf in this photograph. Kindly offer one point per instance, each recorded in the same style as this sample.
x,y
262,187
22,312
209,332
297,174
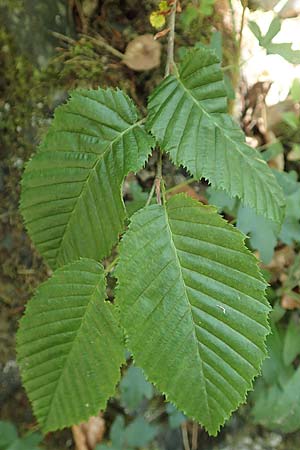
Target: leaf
x,y
295,90
28,442
8,434
285,51
207,7
274,370
290,230
176,418
282,49
134,387
69,346
263,232
274,28
291,345
9,439
139,198
117,432
195,291
222,201
71,190
187,114
188,16
279,408
216,43
157,19
139,433
255,30
273,150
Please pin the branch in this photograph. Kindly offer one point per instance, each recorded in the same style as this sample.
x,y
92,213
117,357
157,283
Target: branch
x,y
171,38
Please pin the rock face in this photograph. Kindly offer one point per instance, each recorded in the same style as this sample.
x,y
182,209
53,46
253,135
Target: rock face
x,y
31,23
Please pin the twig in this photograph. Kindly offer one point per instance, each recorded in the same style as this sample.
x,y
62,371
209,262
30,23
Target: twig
x,y
171,38
185,437
180,185
111,265
98,41
101,42
151,193
158,178
234,28
245,4
195,436
63,37
159,182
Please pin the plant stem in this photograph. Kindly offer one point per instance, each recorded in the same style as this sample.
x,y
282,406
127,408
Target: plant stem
x,y
101,42
111,265
233,21
245,4
195,436
171,39
185,437
159,184
238,46
158,178
180,185
151,193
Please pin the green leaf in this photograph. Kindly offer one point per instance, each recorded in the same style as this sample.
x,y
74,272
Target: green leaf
x,y
28,442
69,346
291,119
117,432
188,283
293,276
295,90
9,439
188,16
291,345
216,42
274,28
8,434
176,418
187,114
139,433
222,201
274,369
139,198
134,388
255,30
285,51
273,150
282,49
71,191
263,232
279,408
290,230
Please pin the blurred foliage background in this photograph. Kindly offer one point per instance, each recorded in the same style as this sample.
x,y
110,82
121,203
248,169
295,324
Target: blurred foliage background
x,y
52,46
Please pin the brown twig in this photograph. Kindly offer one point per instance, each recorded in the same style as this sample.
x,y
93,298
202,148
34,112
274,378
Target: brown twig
x,y
195,436
171,38
185,437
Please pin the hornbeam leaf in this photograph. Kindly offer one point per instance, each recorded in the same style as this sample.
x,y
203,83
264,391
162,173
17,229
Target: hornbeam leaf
x,y
71,191
187,115
69,346
192,303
